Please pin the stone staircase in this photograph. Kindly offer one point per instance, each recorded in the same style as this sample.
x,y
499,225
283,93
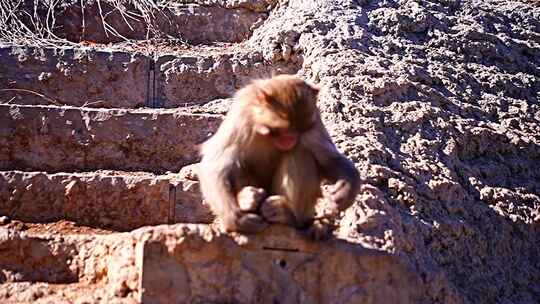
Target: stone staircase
x,y
96,141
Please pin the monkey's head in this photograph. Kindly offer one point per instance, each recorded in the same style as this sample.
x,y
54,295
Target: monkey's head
x,y
282,108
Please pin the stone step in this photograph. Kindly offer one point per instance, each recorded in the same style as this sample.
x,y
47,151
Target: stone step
x,y
69,139
55,293
120,201
119,78
73,76
107,21
55,258
66,266
195,263
202,75
188,263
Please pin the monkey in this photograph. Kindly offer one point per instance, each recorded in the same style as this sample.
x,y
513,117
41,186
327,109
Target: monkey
x,y
266,161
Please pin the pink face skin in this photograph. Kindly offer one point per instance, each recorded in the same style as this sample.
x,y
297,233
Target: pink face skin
x,y
282,140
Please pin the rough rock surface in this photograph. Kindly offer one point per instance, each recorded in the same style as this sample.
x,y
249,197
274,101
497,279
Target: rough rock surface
x,y
192,78
436,102
183,263
101,198
77,77
145,75
74,139
113,21
95,269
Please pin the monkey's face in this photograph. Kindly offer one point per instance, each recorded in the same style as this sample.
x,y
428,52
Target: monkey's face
x,y
284,139
285,108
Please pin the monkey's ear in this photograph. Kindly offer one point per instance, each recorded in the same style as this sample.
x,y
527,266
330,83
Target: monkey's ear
x,y
262,96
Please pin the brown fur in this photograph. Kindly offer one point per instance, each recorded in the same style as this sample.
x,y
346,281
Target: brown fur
x,y
243,153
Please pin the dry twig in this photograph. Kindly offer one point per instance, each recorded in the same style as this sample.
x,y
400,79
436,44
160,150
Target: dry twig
x,y
35,93
35,21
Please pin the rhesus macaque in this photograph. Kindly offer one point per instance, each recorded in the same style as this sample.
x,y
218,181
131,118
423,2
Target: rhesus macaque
x,y
266,162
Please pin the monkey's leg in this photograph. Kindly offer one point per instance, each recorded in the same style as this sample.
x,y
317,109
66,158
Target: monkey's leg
x,y
299,183
320,229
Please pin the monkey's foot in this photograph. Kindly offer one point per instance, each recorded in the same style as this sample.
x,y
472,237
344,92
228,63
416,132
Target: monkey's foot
x,y
320,229
275,210
250,223
249,198
243,222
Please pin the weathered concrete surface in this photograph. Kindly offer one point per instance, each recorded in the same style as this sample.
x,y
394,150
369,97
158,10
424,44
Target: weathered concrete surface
x,y
207,75
64,259
104,264
190,22
195,263
73,76
186,264
119,201
47,293
55,139
114,78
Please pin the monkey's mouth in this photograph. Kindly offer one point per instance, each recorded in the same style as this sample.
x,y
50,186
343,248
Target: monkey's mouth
x,y
285,141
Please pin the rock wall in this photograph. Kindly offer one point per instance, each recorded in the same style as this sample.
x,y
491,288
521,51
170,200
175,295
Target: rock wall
x,y
437,102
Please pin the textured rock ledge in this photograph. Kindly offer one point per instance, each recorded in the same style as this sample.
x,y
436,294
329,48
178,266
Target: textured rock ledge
x,y
191,22
112,77
119,201
54,139
73,76
195,263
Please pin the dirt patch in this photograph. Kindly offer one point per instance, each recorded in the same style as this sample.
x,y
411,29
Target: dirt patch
x,y
62,227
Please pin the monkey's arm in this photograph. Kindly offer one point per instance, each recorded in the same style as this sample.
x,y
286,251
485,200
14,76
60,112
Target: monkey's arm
x,y
217,185
216,188
335,167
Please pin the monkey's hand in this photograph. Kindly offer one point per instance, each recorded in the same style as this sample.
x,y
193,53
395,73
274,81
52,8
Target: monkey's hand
x,y
250,198
341,195
274,209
